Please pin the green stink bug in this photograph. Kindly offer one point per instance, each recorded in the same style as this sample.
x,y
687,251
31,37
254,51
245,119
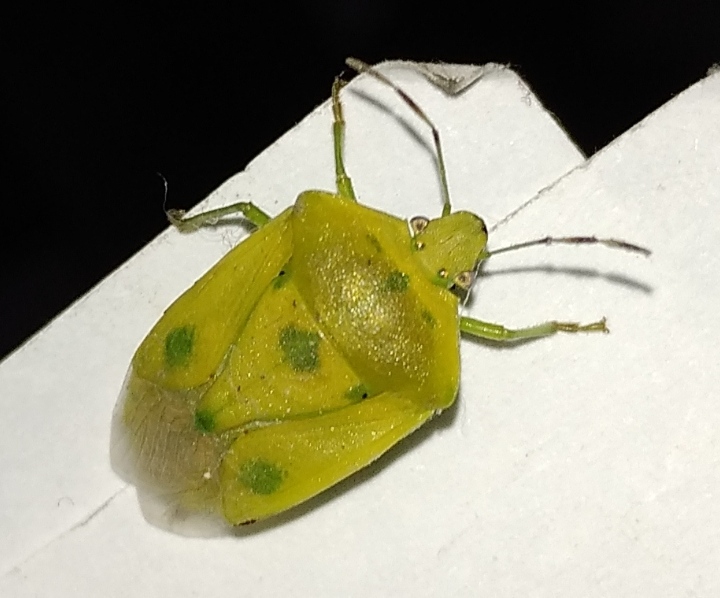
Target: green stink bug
x,y
316,344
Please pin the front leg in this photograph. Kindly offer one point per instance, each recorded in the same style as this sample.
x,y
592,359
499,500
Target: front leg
x,y
498,333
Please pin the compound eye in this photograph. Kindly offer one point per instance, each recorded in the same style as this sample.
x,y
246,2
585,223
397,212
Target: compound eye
x,y
418,224
464,280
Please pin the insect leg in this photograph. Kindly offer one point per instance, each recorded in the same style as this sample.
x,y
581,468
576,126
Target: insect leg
x,y
344,184
248,210
498,333
361,67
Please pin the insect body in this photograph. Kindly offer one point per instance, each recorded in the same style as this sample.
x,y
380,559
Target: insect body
x,y
311,348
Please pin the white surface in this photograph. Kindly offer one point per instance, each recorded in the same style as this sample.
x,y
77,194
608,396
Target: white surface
x,y
570,466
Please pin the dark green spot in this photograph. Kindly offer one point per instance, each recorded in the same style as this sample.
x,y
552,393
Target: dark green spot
x,y
179,346
396,282
260,476
300,348
204,422
357,393
428,317
374,242
282,278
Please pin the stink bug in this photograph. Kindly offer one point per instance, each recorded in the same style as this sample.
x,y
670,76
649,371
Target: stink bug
x,y
311,348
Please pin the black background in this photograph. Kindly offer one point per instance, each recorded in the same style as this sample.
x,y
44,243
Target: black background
x,y
100,99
